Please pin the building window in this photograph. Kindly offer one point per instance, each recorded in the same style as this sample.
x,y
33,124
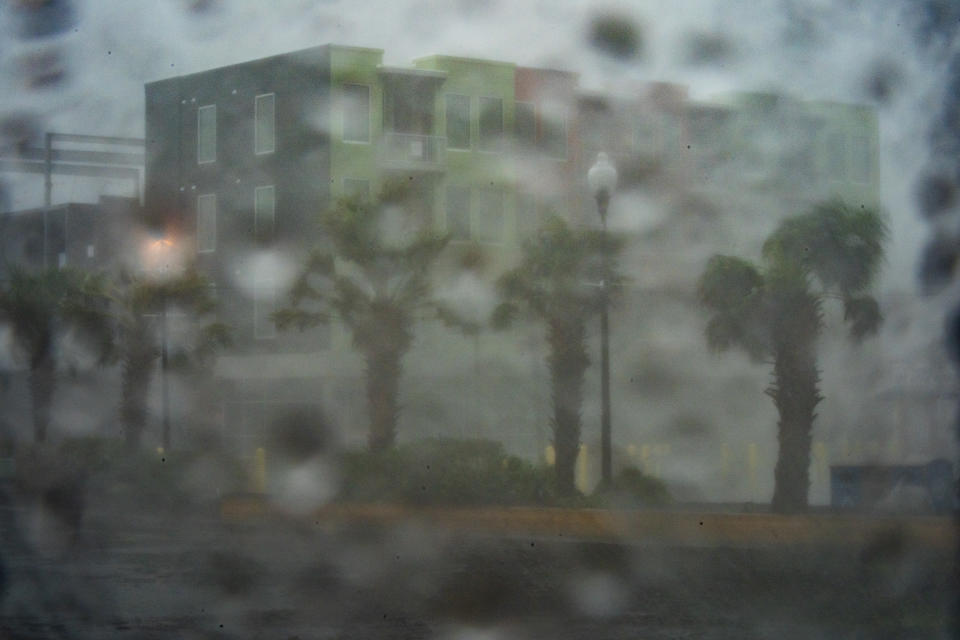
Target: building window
x,y
265,123
207,223
458,213
356,188
264,213
491,123
458,121
207,134
488,221
525,124
837,156
862,159
356,113
553,139
264,304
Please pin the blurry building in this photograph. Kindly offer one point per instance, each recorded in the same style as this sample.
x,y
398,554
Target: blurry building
x,y
88,236
241,159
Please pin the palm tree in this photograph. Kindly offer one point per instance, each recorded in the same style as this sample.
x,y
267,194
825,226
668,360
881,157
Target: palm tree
x,y
560,282
139,300
375,278
40,308
774,313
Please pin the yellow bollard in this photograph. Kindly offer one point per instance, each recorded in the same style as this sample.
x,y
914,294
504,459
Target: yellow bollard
x,y
550,454
583,468
260,470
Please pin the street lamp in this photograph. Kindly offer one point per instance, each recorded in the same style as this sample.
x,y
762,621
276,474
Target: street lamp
x,y
159,255
602,179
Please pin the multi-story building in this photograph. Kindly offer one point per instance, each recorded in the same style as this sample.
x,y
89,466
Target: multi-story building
x,y
241,159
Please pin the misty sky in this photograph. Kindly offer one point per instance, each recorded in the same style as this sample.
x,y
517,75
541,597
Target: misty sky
x,y
815,49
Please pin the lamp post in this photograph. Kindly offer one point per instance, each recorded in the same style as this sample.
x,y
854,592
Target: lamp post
x,y
160,266
602,178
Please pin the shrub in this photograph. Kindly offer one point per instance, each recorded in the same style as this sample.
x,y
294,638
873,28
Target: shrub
x,y
445,471
633,488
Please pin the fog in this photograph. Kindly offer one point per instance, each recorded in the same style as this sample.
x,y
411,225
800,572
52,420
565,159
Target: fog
x,y
697,421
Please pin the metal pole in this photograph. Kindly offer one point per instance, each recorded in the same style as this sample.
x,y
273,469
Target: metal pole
x,y
47,190
164,389
48,170
606,466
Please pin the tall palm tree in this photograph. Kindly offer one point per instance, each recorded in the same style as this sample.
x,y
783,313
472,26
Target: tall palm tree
x,y
139,301
40,308
560,282
375,278
774,312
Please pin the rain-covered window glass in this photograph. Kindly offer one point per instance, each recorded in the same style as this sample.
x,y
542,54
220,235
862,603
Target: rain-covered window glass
x,y
264,304
645,135
527,221
862,159
553,139
356,187
356,113
525,124
207,134
265,123
458,121
539,319
458,213
672,134
491,123
837,156
488,217
264,212
207,223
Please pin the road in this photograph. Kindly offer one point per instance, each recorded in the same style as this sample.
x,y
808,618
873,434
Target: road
x,y
189,575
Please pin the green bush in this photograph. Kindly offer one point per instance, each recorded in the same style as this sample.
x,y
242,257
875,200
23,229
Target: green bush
x,y
633,488
445,471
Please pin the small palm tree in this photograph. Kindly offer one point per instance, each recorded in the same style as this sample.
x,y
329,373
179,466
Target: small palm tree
x,y
560,282
774,313
40,308
139,301
374,277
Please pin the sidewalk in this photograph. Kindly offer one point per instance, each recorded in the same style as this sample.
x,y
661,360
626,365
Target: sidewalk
x,y
676,528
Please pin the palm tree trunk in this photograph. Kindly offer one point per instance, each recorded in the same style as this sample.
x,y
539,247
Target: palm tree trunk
x,y
383,384
42,384
567,362
796,396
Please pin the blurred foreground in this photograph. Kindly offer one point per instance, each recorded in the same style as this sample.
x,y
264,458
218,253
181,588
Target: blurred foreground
x,y
137,570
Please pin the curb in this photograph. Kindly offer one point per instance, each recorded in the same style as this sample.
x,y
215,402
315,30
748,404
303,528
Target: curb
x,y
655,527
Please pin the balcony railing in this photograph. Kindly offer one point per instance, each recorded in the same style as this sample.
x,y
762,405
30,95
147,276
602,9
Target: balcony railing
x,y
413,151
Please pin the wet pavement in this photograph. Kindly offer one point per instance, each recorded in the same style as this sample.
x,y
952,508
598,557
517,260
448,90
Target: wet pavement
x,y
189,575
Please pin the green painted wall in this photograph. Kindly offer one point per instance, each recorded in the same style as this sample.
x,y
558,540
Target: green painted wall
x,y
354,160
475,168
